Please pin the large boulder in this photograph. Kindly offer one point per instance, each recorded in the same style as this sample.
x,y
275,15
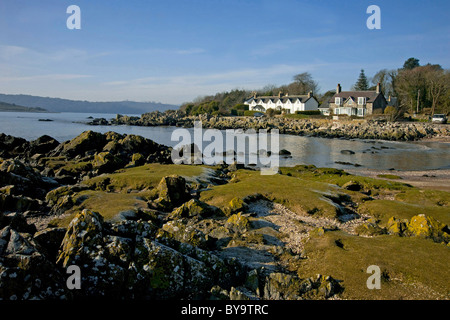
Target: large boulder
x,y
101,259
11,146
428,227
172,191
194,208
396,226
106,162
42,145
84,231
78,146
236,205
238,223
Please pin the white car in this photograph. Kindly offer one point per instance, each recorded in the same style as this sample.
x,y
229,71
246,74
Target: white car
x,y
439,118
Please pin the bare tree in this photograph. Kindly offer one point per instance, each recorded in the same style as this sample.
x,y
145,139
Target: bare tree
x,y
438,83
303,83
386,80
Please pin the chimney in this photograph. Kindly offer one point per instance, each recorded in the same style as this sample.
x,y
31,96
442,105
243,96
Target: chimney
x,y
310,94
254,94
279,94
338,89
379,87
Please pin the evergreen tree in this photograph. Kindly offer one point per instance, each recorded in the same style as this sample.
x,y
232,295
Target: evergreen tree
x,y
362,84
411,63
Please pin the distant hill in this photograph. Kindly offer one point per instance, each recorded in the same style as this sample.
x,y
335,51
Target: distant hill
x,y
13,107
65,105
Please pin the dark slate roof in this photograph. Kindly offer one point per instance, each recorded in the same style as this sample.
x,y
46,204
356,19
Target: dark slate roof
x,y
284,99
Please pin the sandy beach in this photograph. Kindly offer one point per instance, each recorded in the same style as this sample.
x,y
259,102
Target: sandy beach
x,y
427,179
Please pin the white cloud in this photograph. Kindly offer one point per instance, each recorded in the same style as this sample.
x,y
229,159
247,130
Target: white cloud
x,y
299,44
8,52
181,88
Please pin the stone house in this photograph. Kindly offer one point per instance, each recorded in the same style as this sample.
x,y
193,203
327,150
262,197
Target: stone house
x,y
357,103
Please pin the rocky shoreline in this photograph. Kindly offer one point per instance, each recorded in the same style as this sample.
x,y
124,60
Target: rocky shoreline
x,y
140,227
149,253
351,129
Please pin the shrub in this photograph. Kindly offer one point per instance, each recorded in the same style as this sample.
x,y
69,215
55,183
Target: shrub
x,y
309,112
390,110
241,106
270,112
249,113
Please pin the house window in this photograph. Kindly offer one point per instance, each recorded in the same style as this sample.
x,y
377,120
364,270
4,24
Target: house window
x,y
338,101
337,111
361,112
361,101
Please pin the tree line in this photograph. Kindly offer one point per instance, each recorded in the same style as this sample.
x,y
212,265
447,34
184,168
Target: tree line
x,y
417,88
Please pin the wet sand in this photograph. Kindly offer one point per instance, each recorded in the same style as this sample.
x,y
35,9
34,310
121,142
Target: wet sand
x,y
427,179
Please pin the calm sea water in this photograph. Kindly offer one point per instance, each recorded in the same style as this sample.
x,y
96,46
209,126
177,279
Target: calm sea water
x,y
305,150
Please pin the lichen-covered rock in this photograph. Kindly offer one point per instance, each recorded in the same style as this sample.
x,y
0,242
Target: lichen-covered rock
x,y
370,229
106,162
62,205
137,159
326,287
26,181
84,231
253,282
236,205
25,273
193,208
420,226
222,272
54,195
238,223
172,191
281,286
102,259
131,229
218,293
86,141
397,226
186,233
428,227
161,272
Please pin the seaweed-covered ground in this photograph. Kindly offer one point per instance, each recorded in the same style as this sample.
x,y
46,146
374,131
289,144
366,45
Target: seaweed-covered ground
x,y
139,227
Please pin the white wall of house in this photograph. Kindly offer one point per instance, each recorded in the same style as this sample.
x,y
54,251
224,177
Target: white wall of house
x,y
289,106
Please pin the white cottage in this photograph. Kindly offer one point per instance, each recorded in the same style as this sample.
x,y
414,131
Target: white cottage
x,y
286,103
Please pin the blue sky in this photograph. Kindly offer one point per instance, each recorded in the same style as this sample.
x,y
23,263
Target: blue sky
x,y
173,51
